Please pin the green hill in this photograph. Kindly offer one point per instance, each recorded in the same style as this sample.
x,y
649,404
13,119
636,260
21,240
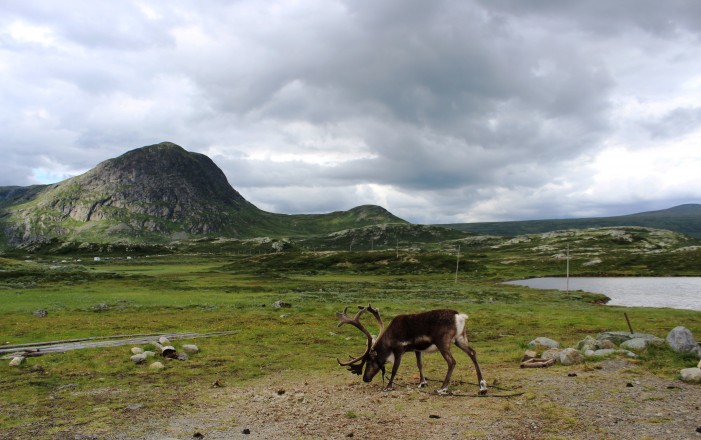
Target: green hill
x,y
683,218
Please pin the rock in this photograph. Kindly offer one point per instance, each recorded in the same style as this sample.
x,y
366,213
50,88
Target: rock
x,y
138,358
529,354
640,344
619,337
163,340
681,340
281,305
17,361
692,375
41,313
603,352
156,366
135,406
149,354
137,350
552,353
699,364
544,342
588,343
191,348
606,344
570,356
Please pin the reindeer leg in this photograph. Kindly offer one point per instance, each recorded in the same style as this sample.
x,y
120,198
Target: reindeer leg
x,y
464,346
419,363
450,360
395,368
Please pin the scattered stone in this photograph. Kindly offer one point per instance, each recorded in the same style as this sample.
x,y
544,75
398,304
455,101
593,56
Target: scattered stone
x,y
41,313
606,344
620,337
36,369
156,366
138,358
603,352
570,356
246,431
281,305
135,406
198,435
629,385
17,361
149,354
191,348
552,353
137,350
681,340
102,307
434,416
163,340
588,343
180,356
640,344
544,342
529,354
692,375
66,387
571,374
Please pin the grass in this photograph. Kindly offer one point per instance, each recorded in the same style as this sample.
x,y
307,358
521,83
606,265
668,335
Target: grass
x,y
91,388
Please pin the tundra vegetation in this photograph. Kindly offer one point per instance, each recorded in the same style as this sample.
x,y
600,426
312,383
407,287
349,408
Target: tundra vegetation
x,y
229,285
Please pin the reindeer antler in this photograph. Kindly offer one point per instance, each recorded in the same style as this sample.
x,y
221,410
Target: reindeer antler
x,y
355,322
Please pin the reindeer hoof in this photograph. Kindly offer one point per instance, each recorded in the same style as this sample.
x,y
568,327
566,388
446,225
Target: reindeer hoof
x,y
387,389
423,384
482,392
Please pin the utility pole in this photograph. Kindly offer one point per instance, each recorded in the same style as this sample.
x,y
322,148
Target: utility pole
x,y
457,265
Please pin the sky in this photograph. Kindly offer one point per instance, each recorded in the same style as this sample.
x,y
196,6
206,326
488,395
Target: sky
x,y
440,111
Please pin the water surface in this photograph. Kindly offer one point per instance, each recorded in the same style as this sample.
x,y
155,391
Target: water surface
x,y
673,292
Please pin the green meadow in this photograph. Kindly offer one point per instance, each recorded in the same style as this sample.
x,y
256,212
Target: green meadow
x,y
205,293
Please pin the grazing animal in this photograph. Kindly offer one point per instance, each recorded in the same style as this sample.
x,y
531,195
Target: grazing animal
x,y
435,330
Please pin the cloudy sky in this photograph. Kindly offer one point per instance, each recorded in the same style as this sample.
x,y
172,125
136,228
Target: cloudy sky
x,y
441,111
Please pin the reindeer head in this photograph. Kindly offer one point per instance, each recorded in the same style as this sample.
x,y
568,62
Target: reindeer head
x,y
368,359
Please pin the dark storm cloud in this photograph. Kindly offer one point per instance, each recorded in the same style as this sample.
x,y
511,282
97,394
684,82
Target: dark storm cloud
x,y
456,109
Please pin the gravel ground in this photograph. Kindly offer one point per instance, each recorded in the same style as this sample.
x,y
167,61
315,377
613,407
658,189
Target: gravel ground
x,y
614,400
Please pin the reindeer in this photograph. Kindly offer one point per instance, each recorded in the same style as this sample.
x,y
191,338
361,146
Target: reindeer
x,y
425,332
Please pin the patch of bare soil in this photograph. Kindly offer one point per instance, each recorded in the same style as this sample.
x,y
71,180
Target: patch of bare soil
x,y
615,400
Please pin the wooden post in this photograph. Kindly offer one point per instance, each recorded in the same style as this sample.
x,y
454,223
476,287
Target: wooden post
x,y
628,321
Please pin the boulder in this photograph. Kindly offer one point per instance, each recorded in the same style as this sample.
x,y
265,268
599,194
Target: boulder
x,y
551,353
603,352
156,366
692,375
571,356
606,344
191,348
281,305
163,340
588,343
137,350
149,354
681,340
640,344
620,337
544,342
41,313
16,361
138,358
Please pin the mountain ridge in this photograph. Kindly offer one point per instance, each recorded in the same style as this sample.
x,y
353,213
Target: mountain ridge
x,y
685,218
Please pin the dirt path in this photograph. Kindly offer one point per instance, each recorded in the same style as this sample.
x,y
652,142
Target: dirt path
x,y
616,400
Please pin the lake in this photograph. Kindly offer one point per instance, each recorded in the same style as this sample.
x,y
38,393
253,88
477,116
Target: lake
x,y
673,292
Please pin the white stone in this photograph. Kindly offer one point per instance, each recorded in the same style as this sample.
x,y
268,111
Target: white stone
x,y
163,340
692,375
570,356
138,358
544,342
191,348
137,350
16,361
156,366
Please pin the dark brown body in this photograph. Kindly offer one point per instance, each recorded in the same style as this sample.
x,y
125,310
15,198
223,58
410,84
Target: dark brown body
x,y
435,330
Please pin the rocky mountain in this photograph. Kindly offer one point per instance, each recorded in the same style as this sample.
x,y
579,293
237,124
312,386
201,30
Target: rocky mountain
x,y
157,194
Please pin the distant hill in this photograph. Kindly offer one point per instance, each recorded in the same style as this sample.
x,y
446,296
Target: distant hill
x,y
683,218
155,194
